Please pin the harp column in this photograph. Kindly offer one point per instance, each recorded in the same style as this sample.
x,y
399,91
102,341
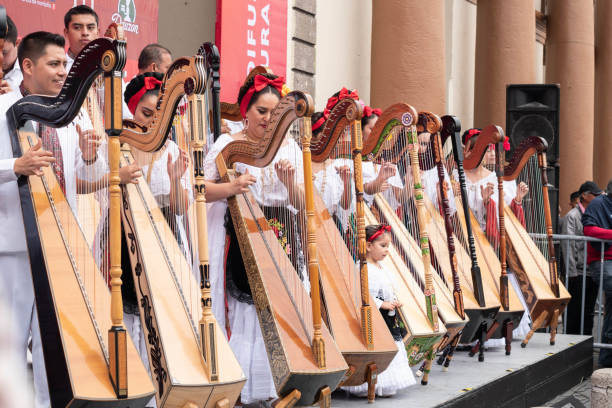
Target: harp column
x,y
505,54
602,165
570,61
408,54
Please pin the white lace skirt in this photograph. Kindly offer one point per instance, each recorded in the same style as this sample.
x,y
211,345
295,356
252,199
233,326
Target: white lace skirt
x,y
249,348
396,377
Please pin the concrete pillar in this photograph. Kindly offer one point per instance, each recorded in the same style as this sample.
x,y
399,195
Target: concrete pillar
x,y
505,52
601,388
602,165
408,54
570,62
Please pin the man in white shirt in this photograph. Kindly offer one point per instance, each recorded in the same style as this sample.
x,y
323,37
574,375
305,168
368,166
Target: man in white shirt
x,y
43,60
10,66
80,28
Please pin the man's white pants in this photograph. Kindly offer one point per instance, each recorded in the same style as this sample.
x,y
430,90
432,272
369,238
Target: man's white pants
x,y
16,282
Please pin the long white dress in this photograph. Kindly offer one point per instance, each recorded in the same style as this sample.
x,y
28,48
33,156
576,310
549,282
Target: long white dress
x,y
479,210
246,338
398,374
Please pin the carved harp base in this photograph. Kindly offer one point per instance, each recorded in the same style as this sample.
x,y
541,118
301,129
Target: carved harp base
x,y
117,350
288,400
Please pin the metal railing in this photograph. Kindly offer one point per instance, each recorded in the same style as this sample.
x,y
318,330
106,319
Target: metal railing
x,y
599,309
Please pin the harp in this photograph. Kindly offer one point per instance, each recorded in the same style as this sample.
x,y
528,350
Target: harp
x,y
73,298
474,240
359,331
452,258
190,360
532,262
394,139
417,223
305,361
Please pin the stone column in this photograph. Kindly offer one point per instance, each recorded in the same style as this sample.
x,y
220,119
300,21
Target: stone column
x,y
505,53
570,62
408,54
602,157
601,387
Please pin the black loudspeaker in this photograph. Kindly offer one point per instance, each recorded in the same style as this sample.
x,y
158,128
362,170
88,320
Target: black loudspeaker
x,y
533,110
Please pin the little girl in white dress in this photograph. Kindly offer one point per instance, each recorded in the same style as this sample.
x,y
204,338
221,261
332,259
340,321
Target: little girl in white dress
x,y
398,375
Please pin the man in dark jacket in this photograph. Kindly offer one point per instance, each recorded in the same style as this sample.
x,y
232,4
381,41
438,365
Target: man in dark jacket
x,y
575,258
597,222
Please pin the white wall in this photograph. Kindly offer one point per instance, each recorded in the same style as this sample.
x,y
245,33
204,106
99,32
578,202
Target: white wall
x,y
184,25
344,36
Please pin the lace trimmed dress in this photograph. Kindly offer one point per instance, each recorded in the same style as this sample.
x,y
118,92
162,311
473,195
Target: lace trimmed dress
x,y
245,337
398,374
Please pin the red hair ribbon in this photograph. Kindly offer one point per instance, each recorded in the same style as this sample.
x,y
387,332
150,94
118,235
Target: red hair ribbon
x,y
150,82
344,94
381,230
368,111
471,133
321,121
260,83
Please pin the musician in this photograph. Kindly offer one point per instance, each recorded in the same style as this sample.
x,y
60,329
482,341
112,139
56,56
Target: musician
x,y
80,28
334,181
482,193
575,262
481,184
164,170
398,374
154,58
10,66
597,221
42,58
275,188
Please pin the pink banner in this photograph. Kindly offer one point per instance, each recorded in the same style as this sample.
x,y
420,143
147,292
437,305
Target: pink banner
x,y
138,17
250,33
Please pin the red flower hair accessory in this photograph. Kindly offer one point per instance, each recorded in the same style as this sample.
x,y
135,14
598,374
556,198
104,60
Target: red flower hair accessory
x,y
381,230
506,143
260,83
150,82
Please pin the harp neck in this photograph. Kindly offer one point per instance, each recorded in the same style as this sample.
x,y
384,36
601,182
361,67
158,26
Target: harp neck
x,y
115,32
528,147
346,112
399,114
185,76
490,135
259,154
211,63
100,55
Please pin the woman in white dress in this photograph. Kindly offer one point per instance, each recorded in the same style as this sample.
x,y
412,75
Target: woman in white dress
x,y
483,198
398,375
274,187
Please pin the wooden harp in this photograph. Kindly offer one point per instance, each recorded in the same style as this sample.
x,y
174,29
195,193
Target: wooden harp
x,y
473,238
190,360
536,275
72,297
210,53
359,331
394,135
305,362
452,258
